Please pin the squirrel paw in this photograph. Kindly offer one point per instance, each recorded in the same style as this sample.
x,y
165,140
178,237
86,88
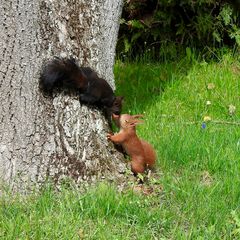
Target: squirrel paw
x,y
109,136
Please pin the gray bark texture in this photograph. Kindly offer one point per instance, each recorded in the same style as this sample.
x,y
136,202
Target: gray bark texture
x,y
54,137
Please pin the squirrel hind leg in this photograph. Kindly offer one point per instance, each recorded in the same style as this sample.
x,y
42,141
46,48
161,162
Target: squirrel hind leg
x,y
137,168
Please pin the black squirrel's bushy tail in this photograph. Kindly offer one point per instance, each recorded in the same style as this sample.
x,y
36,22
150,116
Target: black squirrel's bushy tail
x,y
62,71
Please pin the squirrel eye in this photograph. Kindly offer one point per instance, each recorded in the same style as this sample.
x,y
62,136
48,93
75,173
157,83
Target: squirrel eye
x,y
126,121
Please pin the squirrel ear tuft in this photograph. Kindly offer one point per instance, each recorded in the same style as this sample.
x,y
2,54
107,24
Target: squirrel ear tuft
x,y
136,122
121,98
139,121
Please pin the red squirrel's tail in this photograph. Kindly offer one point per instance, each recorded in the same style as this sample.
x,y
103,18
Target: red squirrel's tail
x,y
150,154
62,71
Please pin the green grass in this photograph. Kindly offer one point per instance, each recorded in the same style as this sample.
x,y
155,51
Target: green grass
x,y
196,190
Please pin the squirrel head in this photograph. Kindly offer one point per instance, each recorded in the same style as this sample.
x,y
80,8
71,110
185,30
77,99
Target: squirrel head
x,y
126,121
117,105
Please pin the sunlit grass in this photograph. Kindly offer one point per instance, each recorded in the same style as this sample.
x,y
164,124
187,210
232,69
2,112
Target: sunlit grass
x,y
201,165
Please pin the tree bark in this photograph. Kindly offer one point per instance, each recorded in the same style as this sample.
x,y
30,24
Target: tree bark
x,y
55,137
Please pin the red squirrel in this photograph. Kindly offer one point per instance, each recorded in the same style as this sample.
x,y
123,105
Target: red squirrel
x,y
142,154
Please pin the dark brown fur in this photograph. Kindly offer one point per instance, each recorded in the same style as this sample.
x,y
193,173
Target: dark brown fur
x,y
92,89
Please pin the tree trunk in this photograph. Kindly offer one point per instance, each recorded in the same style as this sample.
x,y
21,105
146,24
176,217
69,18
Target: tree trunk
x,y
54,137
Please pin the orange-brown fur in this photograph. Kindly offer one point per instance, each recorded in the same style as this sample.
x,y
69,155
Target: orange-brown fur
x,y
141,152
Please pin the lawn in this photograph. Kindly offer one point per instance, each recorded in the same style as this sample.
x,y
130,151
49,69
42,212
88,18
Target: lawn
x,y
192,117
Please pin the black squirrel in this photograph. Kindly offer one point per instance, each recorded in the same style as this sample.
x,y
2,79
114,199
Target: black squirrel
x,y
92,89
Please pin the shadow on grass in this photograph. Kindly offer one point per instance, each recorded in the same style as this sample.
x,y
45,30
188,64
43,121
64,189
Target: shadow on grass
x,y
142,84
